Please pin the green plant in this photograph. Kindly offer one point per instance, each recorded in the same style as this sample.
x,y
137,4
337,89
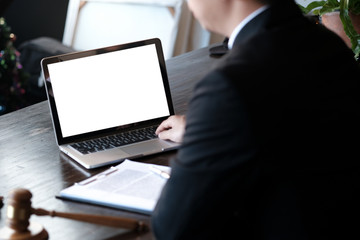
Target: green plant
x,y
344,7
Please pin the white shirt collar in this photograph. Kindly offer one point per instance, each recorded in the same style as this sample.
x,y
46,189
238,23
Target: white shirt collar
x,y
243,23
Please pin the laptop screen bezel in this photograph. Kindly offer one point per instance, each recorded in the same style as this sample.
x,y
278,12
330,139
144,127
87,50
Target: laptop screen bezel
x,y
76,55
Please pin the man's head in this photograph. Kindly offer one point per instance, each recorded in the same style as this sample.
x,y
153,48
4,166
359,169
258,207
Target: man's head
x,y
222,16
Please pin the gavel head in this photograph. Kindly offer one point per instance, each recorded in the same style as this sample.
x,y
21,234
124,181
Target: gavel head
x,y
19,210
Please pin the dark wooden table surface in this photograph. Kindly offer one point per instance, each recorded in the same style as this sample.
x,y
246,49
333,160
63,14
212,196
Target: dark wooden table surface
x,y
30,158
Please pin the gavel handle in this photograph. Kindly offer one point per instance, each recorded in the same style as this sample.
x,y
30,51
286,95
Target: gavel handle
x,y
110,221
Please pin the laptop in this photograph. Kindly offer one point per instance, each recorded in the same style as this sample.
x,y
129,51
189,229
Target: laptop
x,y
106,103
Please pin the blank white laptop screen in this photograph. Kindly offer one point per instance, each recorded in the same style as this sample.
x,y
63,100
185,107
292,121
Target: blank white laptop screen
x,y
108,90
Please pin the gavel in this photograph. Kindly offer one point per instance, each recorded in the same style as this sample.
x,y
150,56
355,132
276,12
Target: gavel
x,y
19,211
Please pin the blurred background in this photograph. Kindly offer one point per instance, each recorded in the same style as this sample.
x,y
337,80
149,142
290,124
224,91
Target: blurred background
x,y
40,28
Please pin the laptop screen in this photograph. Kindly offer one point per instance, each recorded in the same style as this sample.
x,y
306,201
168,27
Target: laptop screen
x,y
107,90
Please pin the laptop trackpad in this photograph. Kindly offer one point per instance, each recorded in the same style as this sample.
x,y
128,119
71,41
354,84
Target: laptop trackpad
x,y
145,147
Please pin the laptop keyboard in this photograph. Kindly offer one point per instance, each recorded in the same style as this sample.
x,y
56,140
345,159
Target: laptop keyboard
x,y
108,142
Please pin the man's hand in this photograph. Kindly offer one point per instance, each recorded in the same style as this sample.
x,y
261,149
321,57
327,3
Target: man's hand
x,y
172,128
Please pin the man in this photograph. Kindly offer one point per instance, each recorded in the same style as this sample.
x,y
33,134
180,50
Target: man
x,y
270,149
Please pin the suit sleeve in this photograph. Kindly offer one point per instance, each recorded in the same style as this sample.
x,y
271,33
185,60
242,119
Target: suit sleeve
x,y
211,170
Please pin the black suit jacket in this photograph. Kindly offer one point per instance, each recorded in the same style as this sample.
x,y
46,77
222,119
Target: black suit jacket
x,y
272,138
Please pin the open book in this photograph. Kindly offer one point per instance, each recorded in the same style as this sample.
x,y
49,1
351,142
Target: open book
x,y
130,185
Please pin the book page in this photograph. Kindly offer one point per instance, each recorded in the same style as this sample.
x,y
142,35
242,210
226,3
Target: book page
x,y
130,185
133,183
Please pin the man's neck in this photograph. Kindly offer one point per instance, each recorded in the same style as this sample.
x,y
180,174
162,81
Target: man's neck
x,y
238,11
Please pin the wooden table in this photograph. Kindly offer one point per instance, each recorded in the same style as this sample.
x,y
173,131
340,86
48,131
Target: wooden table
x,y
30,158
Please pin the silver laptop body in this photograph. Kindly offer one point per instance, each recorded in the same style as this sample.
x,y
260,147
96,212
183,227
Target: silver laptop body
x,y
108,92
